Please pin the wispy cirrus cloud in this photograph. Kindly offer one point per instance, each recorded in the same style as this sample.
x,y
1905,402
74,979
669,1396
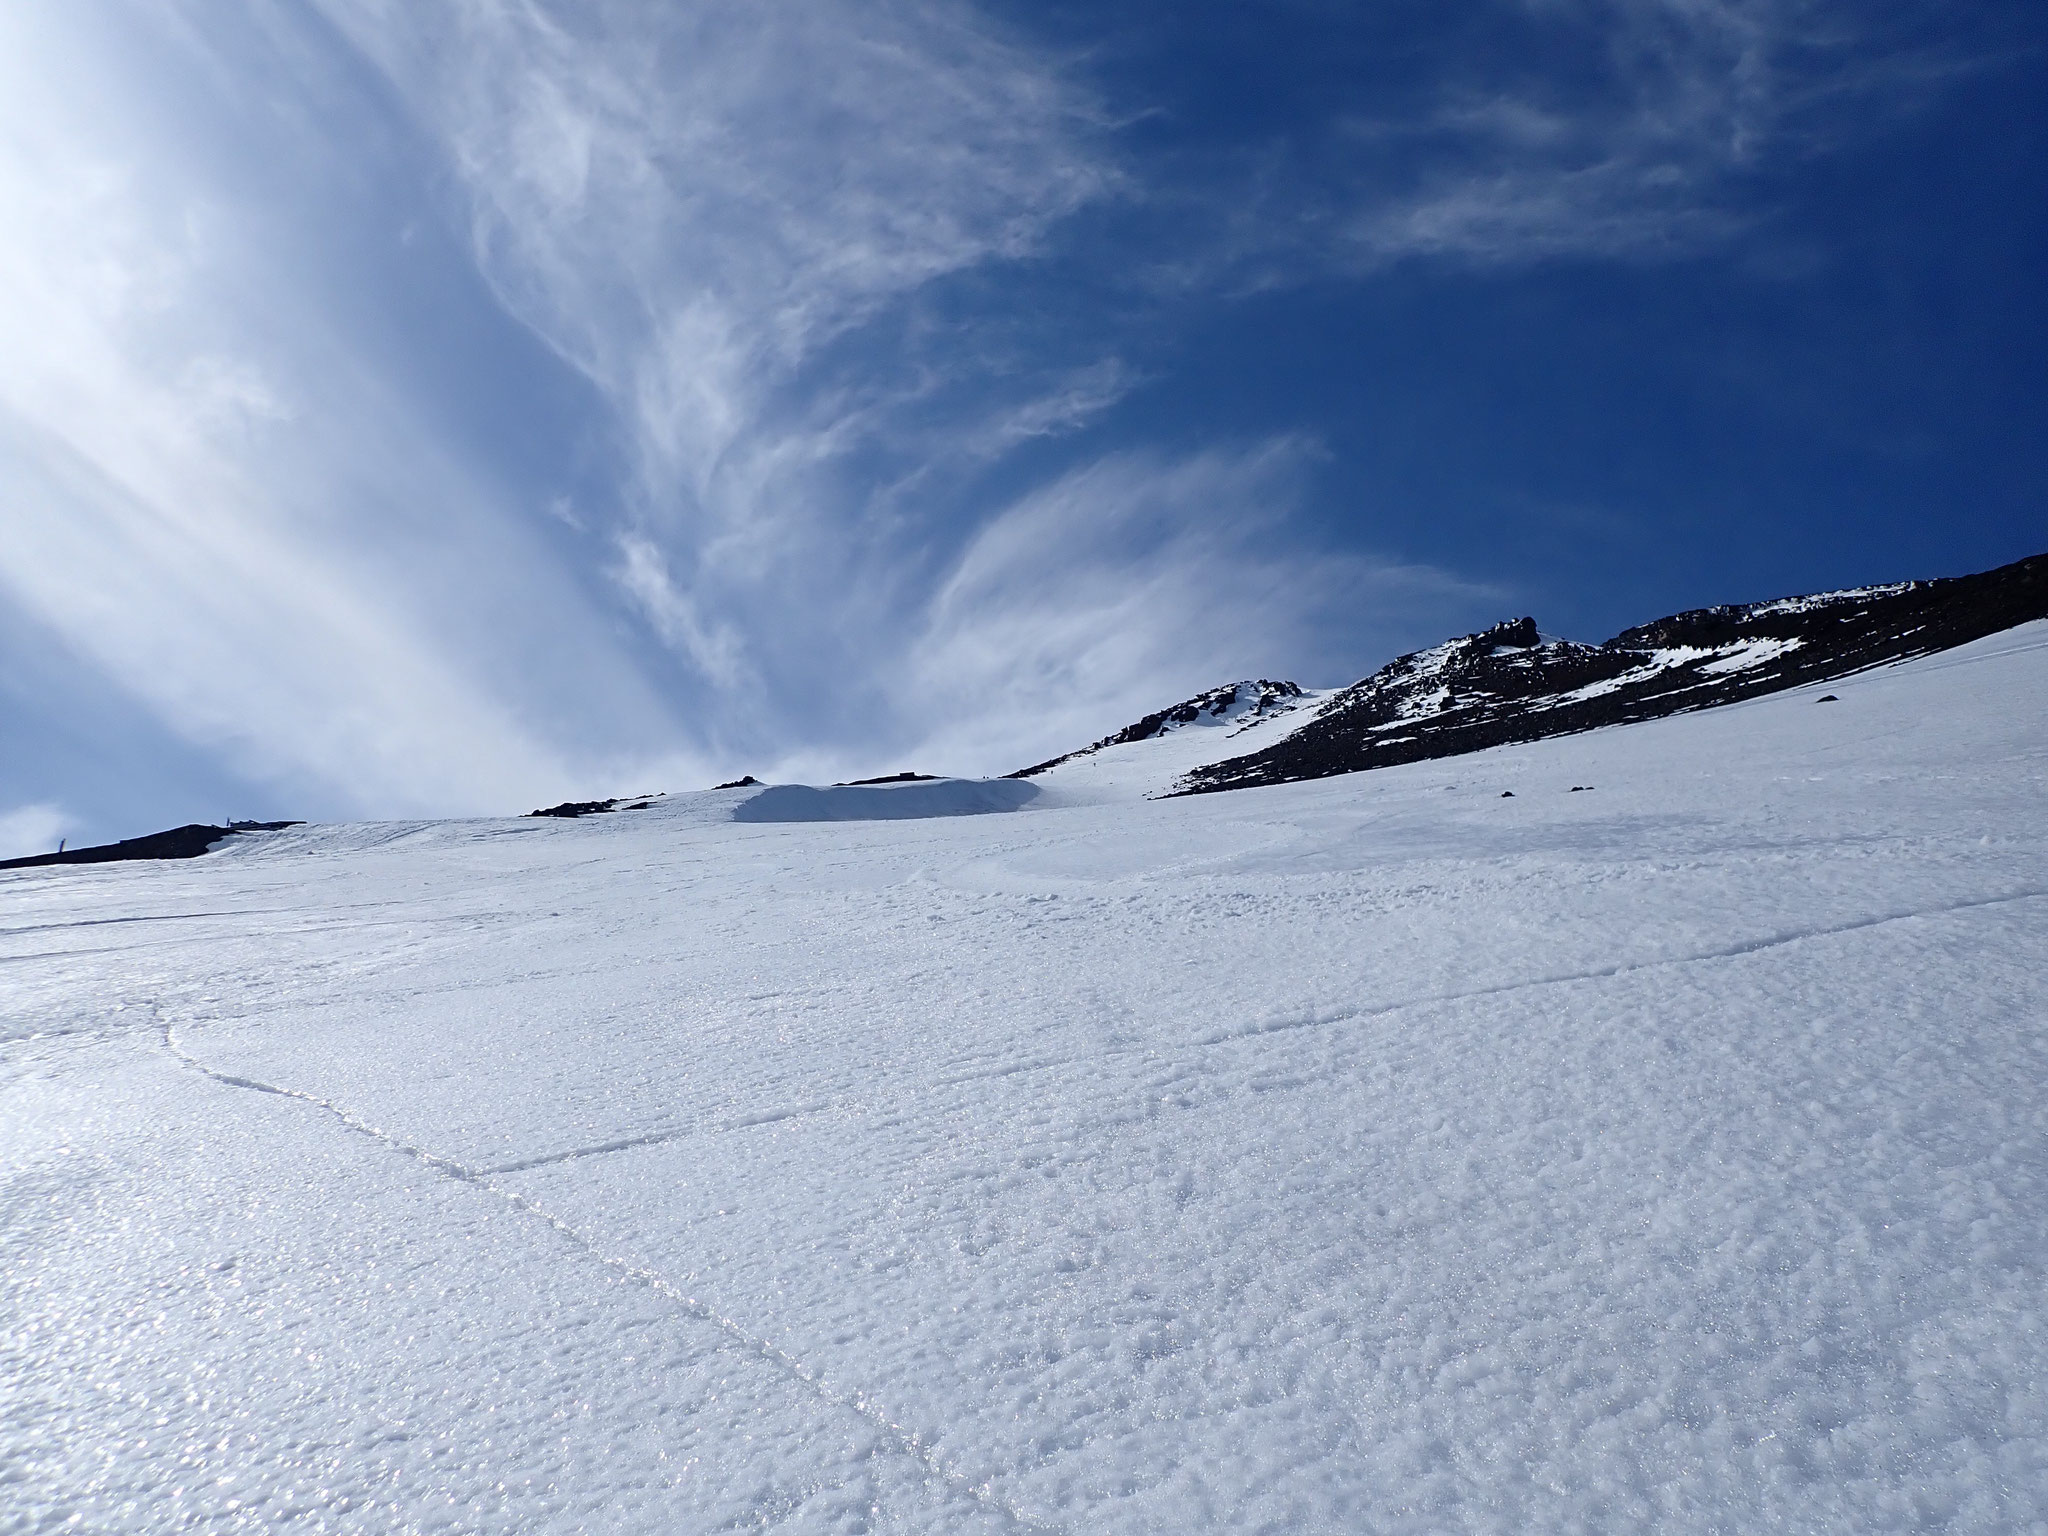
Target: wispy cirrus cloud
x,y
725,218
734,221
1620,129
214,491
688,204
433,407
736,226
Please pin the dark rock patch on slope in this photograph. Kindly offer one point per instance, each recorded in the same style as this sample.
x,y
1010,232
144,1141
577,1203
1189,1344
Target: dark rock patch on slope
x,y
914,801
186,842
1509,685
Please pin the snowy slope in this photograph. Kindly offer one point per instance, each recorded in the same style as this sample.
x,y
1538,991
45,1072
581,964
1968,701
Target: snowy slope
x,y
1371,1153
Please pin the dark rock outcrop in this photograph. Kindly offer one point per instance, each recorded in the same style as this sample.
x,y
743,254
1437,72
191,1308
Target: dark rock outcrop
x,y
570,809
1245,701
186,842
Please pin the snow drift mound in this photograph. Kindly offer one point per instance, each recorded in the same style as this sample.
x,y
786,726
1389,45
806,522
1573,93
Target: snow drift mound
x,y
886,802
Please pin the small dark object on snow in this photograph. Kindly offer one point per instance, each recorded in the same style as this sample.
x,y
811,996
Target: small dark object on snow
x,y
891,778
1507,794
1579,788
1828,698
747,783
572,808
640,805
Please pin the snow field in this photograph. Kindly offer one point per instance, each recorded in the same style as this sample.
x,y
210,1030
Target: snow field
x,y
1368,1154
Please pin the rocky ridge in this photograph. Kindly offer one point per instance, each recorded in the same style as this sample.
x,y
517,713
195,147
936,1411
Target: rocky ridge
x,y
1240,704
1511,684
1508,684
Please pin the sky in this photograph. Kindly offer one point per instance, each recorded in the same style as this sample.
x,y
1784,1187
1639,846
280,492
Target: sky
x,y
445,409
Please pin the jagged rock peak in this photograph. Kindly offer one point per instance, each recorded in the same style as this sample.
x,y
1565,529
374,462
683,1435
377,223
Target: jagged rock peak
x,y
1232,701
1519,633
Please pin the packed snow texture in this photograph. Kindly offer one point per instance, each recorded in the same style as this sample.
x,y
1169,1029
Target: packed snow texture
x,y
1375,1153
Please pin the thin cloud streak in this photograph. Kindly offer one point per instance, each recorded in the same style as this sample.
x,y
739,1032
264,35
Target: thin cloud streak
x,y
1640,150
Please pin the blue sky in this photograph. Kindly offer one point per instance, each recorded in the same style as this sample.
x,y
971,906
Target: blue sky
x,y
441,409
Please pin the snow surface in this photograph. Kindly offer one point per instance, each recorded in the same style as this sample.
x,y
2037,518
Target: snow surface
x,y
1368,1154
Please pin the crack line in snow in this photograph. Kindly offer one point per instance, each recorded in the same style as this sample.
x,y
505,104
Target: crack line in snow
x,y
1754,946
129,949
187,917
909,1442
1248,1032
151,917
656,1138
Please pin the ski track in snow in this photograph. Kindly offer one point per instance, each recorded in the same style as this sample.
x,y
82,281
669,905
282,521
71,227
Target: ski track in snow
x,y
1371,1154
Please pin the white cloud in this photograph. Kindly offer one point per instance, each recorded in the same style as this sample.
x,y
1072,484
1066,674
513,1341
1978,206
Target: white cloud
x,y
1068,403
715,650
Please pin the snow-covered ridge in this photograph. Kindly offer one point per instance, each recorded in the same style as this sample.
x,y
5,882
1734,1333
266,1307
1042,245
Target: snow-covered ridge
x,y
1509,684
1239,705
1150,755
